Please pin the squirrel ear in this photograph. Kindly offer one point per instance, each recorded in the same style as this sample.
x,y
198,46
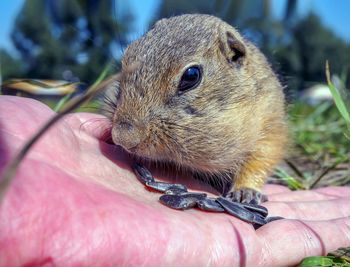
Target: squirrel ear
x,y
237,48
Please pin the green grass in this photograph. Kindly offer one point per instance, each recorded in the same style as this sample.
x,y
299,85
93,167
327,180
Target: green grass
x,y
319,130
338,100
289,180
340,257
319,147
321,143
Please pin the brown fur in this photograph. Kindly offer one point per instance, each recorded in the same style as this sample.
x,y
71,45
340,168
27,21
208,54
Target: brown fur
x,y
231,125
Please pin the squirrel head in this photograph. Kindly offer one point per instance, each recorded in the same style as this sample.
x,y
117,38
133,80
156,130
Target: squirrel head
x,y
192,98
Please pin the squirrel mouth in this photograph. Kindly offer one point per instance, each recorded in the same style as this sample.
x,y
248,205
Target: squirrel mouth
x,y
166,170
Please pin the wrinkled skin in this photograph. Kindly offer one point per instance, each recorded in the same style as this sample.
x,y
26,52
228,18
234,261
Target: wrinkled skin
x,y
76,202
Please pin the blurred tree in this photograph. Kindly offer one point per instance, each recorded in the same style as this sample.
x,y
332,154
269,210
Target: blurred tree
x,y
290,12
297,48
231,11
169,8
304,57
9,67
251,16
67,39
74,38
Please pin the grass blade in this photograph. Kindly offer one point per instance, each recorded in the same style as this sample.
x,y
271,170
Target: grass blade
x,y
336,96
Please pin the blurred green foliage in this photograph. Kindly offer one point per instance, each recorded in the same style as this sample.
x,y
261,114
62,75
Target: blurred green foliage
x,y
339,257
302,58
297,47
10,66
71,40
74,39
319,130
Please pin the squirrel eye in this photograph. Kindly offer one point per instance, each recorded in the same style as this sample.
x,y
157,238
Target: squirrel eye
x,y
190,79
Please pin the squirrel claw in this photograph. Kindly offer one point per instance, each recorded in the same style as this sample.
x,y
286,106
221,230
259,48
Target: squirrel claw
x,y
247,195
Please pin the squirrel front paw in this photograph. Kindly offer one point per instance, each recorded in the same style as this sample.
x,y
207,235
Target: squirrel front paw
x,y
247,195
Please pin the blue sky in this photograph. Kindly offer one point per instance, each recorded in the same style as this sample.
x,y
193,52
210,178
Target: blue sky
x,y
334,13
8,11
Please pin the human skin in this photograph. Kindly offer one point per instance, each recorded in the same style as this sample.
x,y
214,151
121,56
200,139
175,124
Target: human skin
x,y
76,202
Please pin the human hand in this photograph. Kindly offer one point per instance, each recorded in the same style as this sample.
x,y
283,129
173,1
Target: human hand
x,y
75,201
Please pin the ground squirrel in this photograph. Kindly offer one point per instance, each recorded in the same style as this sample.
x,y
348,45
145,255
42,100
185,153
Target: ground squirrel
x,y
202,97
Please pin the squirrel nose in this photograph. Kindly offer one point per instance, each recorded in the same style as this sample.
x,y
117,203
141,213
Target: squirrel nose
x,y
127,135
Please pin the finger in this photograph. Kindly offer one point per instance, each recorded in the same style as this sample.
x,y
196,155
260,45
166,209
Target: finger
x,y
32,114
26,116
299,239
271,189
338,191
95,125
311,210
312,195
